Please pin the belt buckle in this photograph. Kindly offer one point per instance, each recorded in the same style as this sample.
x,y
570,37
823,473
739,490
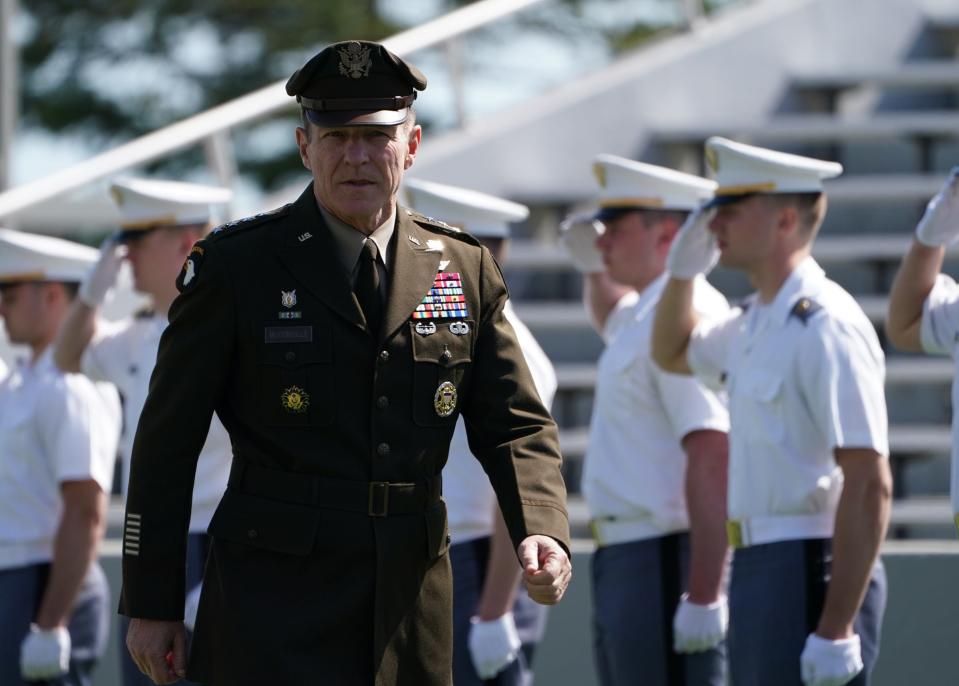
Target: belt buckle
x,y
734,532
379,502
595,530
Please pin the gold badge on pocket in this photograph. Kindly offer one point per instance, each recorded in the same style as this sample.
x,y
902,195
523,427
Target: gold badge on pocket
x,y
295,399
444,402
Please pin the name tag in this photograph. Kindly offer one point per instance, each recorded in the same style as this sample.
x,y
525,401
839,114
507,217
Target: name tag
x,y
288,334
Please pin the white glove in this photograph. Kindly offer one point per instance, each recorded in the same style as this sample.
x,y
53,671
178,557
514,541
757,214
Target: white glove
x,y
577,235
699,627
694,249
940,223
493,645
830,663
103,274
191,606
45,654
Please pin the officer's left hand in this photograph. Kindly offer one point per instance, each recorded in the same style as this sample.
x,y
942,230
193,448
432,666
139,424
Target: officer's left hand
x,y
699,627
493,645
830,663
546,569
45,653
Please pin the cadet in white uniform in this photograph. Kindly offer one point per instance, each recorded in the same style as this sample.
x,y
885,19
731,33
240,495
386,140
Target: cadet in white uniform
x,y
495,629
58,445
655,470
809,483
161,220
924,304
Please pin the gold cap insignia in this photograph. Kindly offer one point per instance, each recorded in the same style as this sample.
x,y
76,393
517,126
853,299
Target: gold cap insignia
x,y
444,402
599,171
355,61
295,399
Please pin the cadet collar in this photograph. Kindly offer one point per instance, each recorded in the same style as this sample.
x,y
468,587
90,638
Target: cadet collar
x,y
349,241
803,278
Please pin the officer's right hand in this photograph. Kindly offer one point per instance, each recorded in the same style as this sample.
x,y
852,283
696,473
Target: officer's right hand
x,y
577,236
158,648
694,250
940,224
103,274
830,663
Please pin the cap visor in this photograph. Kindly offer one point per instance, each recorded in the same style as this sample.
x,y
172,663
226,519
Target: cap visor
x,y
609,213
720,200
127,235
358,117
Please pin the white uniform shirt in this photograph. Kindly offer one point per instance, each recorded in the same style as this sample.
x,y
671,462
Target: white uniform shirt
x,y
124,353
3,370
939,333
797,391
470,501
54,427
635,465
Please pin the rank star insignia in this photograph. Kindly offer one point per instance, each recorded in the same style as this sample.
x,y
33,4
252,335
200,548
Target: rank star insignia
x,y
288,298
295,400
444,401
355,61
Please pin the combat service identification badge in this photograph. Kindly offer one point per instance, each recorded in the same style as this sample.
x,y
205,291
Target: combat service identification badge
x,y
444,402
425,328
295,400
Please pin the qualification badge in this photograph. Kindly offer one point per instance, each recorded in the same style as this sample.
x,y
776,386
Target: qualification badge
x,y
288,298
296,400
444,402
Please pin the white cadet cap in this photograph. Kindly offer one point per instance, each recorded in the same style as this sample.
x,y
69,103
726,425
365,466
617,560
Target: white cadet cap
x,y
147,204
32,257
482,215
742,170
628,185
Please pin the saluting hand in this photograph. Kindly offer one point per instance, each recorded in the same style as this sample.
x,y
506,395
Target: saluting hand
x,y
158,648
546,569
940,223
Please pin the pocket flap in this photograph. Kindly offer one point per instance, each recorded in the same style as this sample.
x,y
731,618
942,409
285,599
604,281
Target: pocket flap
x,y
456,337
264,523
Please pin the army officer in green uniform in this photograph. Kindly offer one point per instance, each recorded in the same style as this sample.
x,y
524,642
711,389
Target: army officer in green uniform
x,y
338,339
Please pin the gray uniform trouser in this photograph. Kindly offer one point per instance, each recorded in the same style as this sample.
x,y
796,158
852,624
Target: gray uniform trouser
x,y
775,599
469,562
636,589
21,590
197,547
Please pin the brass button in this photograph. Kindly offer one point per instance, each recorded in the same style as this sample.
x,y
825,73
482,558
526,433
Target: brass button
x,y
252,533
447,355
384,355
382,402
383,449
290,356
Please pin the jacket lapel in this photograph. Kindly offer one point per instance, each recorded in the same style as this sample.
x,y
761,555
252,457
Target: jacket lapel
x,y
308,251
412,275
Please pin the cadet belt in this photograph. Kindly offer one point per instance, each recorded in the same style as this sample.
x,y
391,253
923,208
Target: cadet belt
x,y
613,530
373,498
759,530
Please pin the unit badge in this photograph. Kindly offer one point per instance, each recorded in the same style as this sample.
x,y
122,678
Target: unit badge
x,y
355,61
425,328
444,401
459,328
295,400
288,298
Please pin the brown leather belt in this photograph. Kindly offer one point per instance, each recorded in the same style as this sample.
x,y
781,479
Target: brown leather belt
x,y
373,498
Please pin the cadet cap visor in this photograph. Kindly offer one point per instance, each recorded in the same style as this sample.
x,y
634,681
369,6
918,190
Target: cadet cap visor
x,y
484,216
743,170
356,83
626,185
147,204
26,257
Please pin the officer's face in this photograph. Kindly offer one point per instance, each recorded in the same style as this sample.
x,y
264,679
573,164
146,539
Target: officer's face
x,y
745,232
634,247
22,310
357,169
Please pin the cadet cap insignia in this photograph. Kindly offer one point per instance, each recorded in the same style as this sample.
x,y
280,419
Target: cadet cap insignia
x,y
295,400
444,401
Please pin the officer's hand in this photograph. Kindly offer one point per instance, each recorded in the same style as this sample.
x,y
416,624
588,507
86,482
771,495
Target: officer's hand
x,y
546,569
103,274
493,645
699,627
694,249
191,606
158,648
45,653
940,224
577,236
830,663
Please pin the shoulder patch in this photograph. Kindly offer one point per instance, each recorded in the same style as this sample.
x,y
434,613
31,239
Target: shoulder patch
x,y
439,226
190,273
234,227
804,309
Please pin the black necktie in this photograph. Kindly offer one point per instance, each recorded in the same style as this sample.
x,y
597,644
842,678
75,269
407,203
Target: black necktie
x,y
367,287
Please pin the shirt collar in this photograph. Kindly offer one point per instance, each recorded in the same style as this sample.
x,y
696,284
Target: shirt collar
x,y
349,241
806,274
